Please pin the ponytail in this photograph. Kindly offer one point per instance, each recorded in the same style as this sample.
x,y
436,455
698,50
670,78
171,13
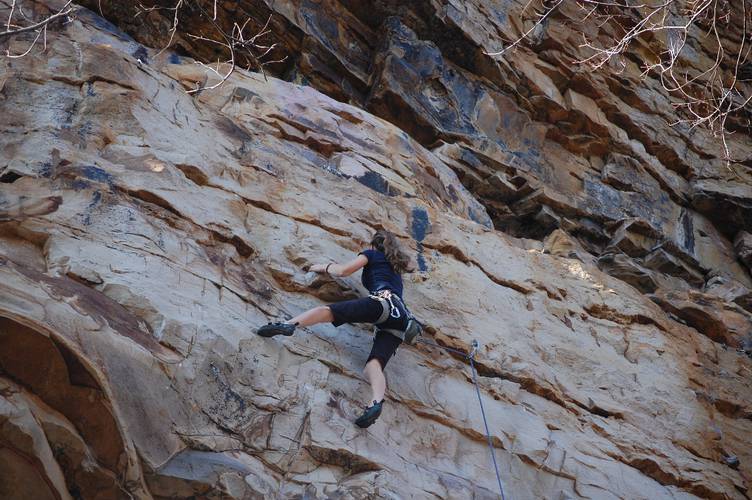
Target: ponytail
x,y
387,243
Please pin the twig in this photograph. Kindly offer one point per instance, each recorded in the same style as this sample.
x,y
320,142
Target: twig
x,y
236,43
541,18
706,96
64,11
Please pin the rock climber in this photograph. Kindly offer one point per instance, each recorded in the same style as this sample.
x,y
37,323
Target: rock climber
x,y
382,265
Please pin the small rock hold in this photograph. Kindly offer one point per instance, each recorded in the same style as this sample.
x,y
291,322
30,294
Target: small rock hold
x,y
743,247
732,461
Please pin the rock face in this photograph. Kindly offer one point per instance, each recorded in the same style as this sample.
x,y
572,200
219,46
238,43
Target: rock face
x,y
541,143
145,232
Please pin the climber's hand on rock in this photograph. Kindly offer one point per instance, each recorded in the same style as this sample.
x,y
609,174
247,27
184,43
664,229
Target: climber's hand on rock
x,y
317,268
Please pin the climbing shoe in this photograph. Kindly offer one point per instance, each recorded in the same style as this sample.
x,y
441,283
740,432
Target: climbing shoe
x,y
370,415
272,329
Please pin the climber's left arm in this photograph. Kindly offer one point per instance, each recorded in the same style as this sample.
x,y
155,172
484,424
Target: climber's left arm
x,y
345,269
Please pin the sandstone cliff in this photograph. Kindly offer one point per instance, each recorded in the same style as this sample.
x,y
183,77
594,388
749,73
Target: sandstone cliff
x,y
552,215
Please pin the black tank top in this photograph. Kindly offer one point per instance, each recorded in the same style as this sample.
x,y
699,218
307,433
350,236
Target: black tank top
x,y
378,274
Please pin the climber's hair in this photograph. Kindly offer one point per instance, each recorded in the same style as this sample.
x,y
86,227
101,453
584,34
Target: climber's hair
x,y
387,243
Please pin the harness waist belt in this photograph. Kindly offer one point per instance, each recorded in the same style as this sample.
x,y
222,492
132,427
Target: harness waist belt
x,y
385,297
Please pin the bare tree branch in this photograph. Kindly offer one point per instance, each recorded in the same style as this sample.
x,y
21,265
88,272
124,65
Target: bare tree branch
x,y
541,18
706,96
40,27
64,11
236,43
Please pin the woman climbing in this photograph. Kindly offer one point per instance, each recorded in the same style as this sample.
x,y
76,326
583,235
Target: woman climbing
x,y
382,265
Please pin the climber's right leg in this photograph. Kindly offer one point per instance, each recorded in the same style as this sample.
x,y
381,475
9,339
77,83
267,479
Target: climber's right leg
x,y
384,346
375,376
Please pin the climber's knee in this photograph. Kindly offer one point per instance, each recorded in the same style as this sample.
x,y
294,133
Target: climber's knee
x,y
373,363
326,313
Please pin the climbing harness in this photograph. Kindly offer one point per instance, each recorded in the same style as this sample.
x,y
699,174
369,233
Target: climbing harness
x,y
471,357
390,310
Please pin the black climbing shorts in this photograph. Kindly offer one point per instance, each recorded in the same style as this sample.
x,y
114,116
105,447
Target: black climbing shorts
x,y
384,346
368,310
365,310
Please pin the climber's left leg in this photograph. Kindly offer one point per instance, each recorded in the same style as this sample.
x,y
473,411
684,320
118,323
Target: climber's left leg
x,y
320,314
365,310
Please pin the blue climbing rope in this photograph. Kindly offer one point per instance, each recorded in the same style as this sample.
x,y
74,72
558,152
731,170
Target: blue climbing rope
x,y
471,358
